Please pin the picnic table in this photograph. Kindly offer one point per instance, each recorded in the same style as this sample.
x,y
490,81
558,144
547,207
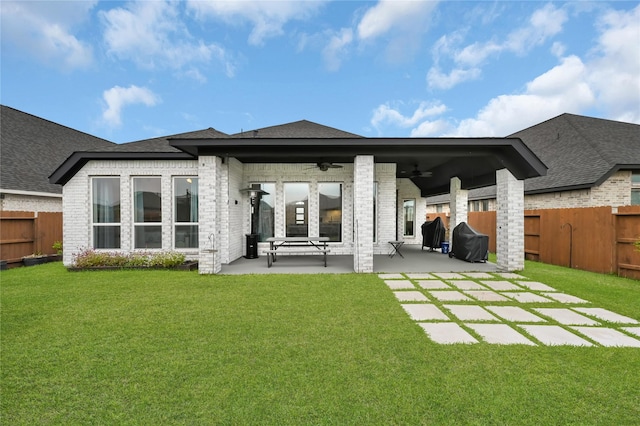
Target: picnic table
x,y
300,245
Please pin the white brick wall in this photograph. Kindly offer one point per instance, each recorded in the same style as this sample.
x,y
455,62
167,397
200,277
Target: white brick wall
x,y
459,205
364,171
510,221
387,207
209,177
30,203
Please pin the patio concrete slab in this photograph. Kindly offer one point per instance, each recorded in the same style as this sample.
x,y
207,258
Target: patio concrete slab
x,y
432,284
449,275
606,315
501,285
500,334
424,312
447,333
632,330
566,316
467,285
554,335
470,313
526,297
608,337
511,276
486,296
399,284
565,298
449,296
479,275
515,314
410,296
391,276
534,285
424,276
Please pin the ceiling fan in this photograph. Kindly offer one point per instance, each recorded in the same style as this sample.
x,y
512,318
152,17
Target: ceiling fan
x,y
324,166
416,172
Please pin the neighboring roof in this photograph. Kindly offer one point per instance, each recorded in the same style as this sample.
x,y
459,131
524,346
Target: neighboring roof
x,y
296,129
32,147
581,152
161,144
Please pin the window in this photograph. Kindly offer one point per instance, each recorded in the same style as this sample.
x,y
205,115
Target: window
x,y
375,211
635,189
266,210
296,199
106,212
185,198
147,212
409,213
479,205
330,205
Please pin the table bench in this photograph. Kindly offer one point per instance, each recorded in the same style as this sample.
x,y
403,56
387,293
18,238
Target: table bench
x,y
282,245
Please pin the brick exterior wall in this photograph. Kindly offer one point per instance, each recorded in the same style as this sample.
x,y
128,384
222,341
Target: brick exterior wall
x,y
363,207
30,203
510,221
210,231
459,205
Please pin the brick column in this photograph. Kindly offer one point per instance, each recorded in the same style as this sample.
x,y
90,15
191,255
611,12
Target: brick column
x,y
209,226
510,221
459,205
363,172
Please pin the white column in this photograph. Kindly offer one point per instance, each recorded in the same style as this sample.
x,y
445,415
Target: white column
x,y
459,205
363,173
510,221
209,232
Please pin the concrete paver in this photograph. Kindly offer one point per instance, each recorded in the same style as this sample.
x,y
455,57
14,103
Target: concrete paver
x,y
424,276
391,276
449,275
486,296
500,334
399,284
410,296
501,285
467,285
447,333
432,284
565,298
449,295
534,285
608,336
632,330
526,297
566,316
478,275
515,314
424,312
606,315
554,335
470,313
511,276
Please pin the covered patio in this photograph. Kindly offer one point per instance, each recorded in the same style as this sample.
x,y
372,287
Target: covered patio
x,y
415,260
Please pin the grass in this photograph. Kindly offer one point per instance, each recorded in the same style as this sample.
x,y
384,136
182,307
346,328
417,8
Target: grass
x,y
166,347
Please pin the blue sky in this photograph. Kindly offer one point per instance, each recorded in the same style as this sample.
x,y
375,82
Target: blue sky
x,y
127,71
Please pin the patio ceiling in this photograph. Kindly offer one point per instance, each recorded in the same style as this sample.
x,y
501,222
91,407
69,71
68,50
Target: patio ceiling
x,y
473,160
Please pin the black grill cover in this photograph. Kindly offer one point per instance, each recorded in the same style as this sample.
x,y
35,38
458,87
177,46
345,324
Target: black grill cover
x,y
469,244
433,233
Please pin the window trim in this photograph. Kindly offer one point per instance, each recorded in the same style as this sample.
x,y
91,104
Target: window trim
x,y
341,240
404,218
174,216
135,224
105,224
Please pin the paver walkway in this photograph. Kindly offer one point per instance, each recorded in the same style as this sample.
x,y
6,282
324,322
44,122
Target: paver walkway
x,y
506,309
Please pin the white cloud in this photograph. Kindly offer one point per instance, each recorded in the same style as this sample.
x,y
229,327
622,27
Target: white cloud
x,y
118,97
44,30
387,114
337,48
267,17
152,35
543,24
393,14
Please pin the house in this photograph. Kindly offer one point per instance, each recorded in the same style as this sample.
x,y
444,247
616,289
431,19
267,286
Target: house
x,y
592,162
31,149
188,192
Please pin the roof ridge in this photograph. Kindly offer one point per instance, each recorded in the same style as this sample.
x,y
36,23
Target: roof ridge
x,y
596,146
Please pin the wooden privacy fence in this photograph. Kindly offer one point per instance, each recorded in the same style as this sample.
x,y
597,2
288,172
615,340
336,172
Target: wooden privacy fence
x,y
596,239
25,233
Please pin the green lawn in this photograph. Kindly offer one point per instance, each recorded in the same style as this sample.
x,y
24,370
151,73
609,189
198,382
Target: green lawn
x,y
166,347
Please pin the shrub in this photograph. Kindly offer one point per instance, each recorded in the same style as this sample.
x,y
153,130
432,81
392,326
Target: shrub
x,y
90,258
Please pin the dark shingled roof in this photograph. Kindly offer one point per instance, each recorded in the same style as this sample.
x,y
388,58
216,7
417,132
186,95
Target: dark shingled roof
x,y
161,144
31,148
297,129
580,152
